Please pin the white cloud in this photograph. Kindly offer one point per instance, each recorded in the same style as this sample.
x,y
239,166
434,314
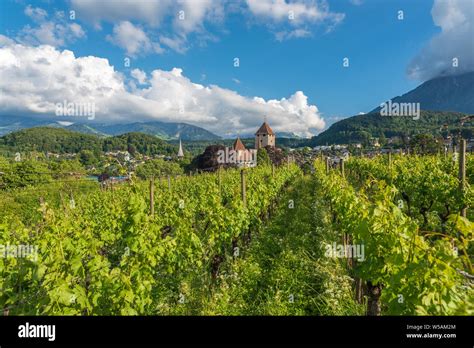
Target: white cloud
x,y
133,39
296,33
44,76
356,2
456,20
195,13
296,14
55,32
171,20
146,11
176,43
36,14
139,75
4,40
76,30
174,22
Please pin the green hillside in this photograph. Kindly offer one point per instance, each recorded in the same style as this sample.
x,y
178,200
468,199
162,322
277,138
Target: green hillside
x,y
57,140
46,139
360,128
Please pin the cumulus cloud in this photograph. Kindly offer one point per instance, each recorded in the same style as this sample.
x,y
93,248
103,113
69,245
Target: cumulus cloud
x,y
454,44
173,21
45,76
55,32
192,14
4,40
298,14
133,39
139,75
176,43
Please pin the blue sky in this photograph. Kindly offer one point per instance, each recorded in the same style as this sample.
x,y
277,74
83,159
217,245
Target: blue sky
x,y
278,56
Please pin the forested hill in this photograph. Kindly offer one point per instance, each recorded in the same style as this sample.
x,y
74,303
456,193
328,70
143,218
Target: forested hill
x,y
360,128
57,140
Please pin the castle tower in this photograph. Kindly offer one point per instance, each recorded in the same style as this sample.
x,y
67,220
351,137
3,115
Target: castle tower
x,y
244,156
264,136
239,145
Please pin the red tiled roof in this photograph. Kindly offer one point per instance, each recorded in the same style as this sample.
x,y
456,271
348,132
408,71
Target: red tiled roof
x,y
238,145
265,129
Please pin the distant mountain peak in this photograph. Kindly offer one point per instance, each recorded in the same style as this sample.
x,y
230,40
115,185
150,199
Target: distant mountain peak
x,y
444,93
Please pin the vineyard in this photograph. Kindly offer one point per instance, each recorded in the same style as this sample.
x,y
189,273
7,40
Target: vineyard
x,y
405,212
262,241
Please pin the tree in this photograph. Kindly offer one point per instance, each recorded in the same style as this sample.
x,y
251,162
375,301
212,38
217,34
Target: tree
x,y
87,158
158,167
66,168
131,149
262,157
425,143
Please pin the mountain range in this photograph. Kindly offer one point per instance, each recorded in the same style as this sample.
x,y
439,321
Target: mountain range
x,y
162,130
443,102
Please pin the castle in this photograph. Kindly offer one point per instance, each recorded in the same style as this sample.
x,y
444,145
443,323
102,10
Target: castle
x,y
264,137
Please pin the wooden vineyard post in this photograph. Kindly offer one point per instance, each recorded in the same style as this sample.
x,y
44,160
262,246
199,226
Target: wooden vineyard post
x,y
273,170
359,292
341,166
462,171
43,207
242,187
61,198
72,202
373,301
390,165
327,165
169,183
152,196
288,162
219,178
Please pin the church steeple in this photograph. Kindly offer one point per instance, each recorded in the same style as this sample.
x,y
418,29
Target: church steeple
x,y
180,151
